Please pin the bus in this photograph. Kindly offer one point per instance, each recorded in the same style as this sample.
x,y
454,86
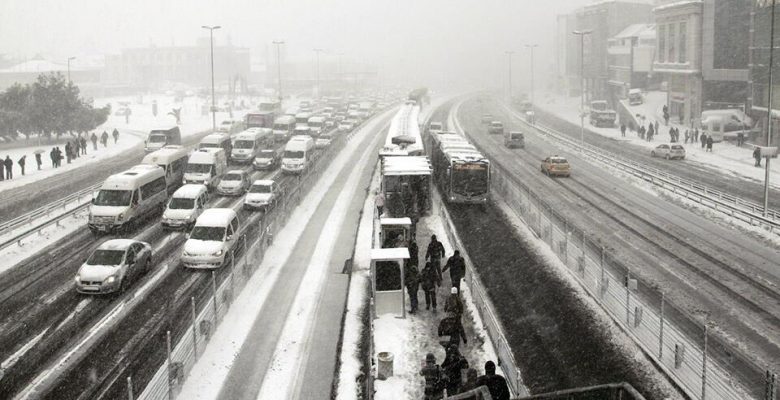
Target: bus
x,y
461,172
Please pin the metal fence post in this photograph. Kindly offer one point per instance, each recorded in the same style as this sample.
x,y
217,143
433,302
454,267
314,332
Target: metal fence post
x,y
194,327
603,272
214,296
130,388
628,297
704,365
170,363
771,381
661,331
565,242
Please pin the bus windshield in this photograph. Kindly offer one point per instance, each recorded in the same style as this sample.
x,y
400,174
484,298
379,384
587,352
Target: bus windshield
x,y
470,179
113,198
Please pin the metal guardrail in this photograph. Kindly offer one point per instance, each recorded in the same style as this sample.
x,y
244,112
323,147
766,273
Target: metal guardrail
x,y
81,199
731,205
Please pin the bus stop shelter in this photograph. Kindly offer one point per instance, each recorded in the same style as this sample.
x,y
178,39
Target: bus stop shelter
x,y
387,280
407,185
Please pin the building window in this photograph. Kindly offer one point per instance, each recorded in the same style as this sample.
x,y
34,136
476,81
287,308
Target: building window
x,y
661,43
683,47
672,41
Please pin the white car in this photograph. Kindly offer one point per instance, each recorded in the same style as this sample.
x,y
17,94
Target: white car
x,y
262,195
346,125
669,151
213,239
234,183
184,207
322,141
112,265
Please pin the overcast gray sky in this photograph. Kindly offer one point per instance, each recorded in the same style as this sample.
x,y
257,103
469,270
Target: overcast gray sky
x,y
416,40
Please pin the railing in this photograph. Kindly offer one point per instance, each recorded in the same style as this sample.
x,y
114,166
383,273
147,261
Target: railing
x,y
731,205
676,342
44,217
612,391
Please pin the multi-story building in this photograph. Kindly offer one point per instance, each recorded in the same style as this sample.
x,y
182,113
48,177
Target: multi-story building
x,y
760,19
631,54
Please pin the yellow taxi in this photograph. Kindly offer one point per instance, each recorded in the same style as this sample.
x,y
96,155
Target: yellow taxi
x,y
556,166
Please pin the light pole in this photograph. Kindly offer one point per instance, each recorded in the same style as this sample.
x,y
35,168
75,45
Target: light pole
x,y
69,59
769,108
509,53
213,99
582,34
318,51
533,102
278,43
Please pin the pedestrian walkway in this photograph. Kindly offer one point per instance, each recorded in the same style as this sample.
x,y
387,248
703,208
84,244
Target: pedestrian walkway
x,y
725,156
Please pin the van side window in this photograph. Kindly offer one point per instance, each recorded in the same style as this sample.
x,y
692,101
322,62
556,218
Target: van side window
x,y
234,224
229,230
136,197
152,188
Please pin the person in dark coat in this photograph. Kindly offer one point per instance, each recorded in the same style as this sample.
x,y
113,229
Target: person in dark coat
x,y
38,160
453,304
453,363
67,152
74,148
623,130
115,134
104,139
94,138
22,161
58,156
9,168
2,170
435,253
496,384
709,143
452,327
740,138
696,134
703,139
83,143
757,156
53,157
457,267
435,378
656,126
414,253
428,281
412,283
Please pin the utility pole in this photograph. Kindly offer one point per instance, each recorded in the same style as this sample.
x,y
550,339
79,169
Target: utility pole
x,y
318,51
69,59
769,108
582,34
279,67
533,101
509,53
213,98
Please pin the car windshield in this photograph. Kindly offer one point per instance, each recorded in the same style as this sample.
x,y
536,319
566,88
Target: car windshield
x,y
232,177
212,233
106,257
157,138
198,168
293,154
244,144
113,198
260,189
677,147
180,203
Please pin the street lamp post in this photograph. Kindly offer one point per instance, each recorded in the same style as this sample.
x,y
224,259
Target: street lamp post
x,y
509,53
278,43
769,108
533,101
69,59
213,98
582,34
318,51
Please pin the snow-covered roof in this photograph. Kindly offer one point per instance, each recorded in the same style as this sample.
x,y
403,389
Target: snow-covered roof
x,y
216,217
40,65
214,138
395,221
117,244
189,191
674,4
406,165
637,30
165,155
263,182
390,253
236,171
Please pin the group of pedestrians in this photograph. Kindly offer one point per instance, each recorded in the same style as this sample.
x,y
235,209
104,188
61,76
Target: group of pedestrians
x,y
72,150
646,133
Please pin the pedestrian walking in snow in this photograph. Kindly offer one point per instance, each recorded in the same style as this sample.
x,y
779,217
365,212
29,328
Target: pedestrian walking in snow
x,y
452,365
452,327
496,384
9,168
21,163
379,202
94,139
67,152
740,138
2,171
623,130
74,147
435,253
453,305
115,134
52,156
687,136
757,156
412,284
435,379
414,257
428,281
38,160
703,138
83,143
104,139
656,126
695,135
58,156
457,266
650,133
709,143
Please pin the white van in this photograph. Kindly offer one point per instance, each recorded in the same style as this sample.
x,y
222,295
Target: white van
x,y
184,207
172,159
216,140
128,197
205,166
302,119
316,125
297,154
283,128
213,239
231,126
248,143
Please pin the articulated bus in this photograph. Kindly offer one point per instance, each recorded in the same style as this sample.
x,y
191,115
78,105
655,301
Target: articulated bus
x,y
461,172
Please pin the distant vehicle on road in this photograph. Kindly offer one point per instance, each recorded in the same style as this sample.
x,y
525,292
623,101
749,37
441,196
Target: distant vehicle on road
x,y
184,207
267,159
496,127
213,239
248,143
322,141
297,154
262,195
115,262
172,159
283,128
234,183
205,166
669,151
260,119
601,115
435,127
514,139
230,126
162,137
556,166
127,197
635,97
346,126
217,141
487,118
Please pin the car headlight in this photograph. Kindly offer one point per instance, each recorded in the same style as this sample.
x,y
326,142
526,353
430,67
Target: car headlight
x,y
120,216
110,280
217,254
77,279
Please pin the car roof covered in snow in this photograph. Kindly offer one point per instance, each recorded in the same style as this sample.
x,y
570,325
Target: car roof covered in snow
x,y
189,191
165,155
395,221
263,182
215,217
391,253
117,244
